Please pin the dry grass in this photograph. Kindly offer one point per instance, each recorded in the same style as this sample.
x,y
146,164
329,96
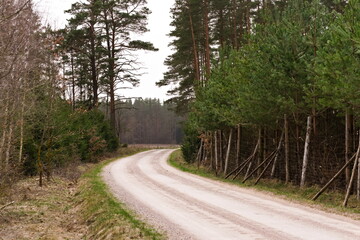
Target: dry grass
x,y
41,212
73,205
106,217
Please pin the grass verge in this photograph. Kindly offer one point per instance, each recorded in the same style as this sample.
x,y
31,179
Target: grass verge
x,y
329,201
106,217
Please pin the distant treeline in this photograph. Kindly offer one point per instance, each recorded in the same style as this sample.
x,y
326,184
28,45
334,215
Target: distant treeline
x,y
148,121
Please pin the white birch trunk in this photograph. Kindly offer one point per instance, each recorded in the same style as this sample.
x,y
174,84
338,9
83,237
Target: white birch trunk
x,y
228,153
306,152
22,130
9,144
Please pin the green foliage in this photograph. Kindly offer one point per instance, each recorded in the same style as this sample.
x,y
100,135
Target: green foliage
x,y
269,76
191,141
63,136
338,63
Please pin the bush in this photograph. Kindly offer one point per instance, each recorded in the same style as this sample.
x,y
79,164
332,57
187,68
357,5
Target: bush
x,y
191,141
65,136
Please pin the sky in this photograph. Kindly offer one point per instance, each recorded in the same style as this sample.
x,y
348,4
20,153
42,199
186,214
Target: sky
x,y
52,12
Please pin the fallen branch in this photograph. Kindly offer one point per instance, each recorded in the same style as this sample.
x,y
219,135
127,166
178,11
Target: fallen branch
x,y
3,207
270,157
273,159
333,178
242,166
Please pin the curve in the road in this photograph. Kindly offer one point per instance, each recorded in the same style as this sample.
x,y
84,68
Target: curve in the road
x,y
191,207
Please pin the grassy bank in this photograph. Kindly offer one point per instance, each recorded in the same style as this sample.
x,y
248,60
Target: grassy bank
x,y
330,201
106,217
75,204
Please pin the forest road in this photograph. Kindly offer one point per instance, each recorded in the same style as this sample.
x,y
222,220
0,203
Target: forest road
x,y
186,206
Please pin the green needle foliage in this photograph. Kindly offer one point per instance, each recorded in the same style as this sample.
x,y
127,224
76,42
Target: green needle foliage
x,y
337,66
274,65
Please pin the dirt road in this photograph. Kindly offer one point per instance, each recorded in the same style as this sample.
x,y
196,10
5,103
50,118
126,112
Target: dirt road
x,y
191,207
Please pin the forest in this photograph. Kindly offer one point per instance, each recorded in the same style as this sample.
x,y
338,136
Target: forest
x,y
270,89
55,84
148,121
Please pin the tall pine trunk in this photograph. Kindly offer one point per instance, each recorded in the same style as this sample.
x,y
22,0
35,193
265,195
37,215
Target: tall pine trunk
x,y
216,152
207,38
287,149
238,145
195,52
348,142
93,66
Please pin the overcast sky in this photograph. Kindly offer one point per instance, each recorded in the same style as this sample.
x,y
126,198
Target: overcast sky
x,y
52,12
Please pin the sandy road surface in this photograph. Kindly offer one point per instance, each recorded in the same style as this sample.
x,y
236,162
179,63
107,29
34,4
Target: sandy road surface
x,y
192,207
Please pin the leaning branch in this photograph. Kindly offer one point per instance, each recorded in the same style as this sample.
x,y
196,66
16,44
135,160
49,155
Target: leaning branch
x,y
16,12
3,207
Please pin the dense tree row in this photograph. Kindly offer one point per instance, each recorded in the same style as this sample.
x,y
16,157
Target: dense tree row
x,y
281,95
38,128
148,121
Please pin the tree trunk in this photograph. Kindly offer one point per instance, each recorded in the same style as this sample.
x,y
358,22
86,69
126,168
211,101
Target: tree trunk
x,y
112,107
358,183
199,153
348,190
238,145
275,158
110,43
298,155
207,41
333,178
243,165
211,150
248,169
220,151
196,57
93,67
22,129
348,142
235,25
228,152
264,148
306,152
73,81
248,19
2,145
216,153
314,127
287,149
4,130
261,149
9,144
